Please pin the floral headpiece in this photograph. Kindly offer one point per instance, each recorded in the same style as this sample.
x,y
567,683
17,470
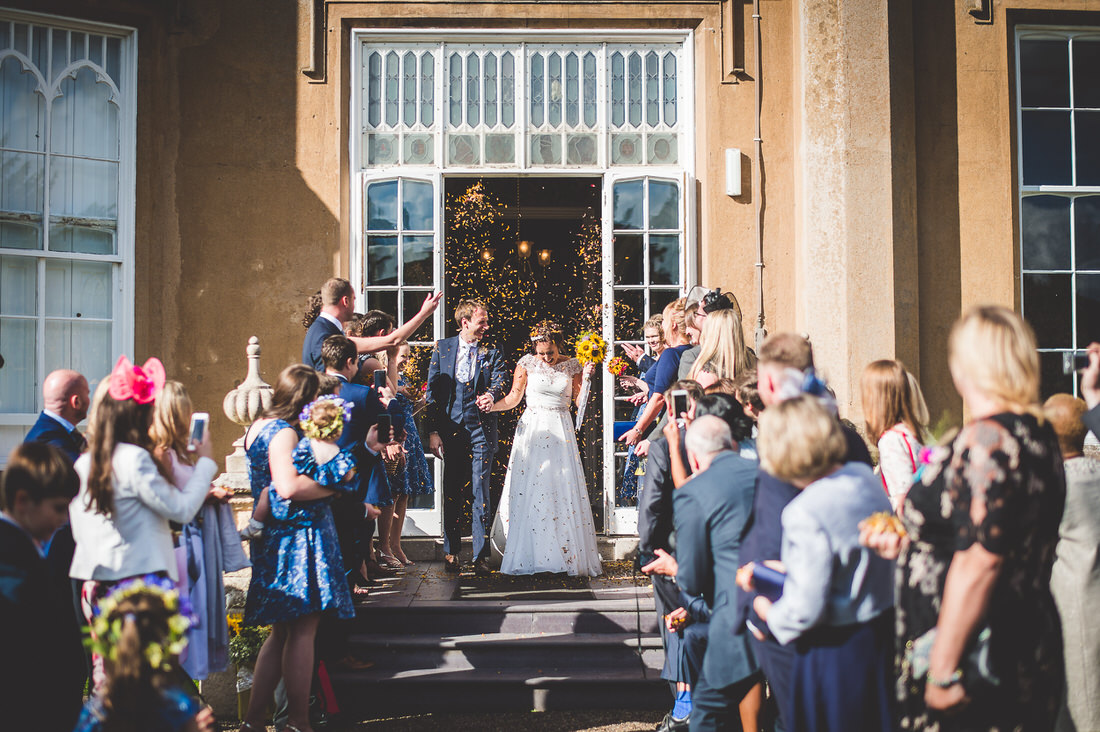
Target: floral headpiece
x,y
104,631
335,427
140,383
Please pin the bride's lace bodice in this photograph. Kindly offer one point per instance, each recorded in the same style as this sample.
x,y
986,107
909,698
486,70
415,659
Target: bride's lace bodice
x,y
549,387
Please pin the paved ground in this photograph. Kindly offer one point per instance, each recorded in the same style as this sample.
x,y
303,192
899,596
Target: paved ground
x,y
589,721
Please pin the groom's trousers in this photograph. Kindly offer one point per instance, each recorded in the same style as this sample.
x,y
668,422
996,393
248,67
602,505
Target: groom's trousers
x,y
467,465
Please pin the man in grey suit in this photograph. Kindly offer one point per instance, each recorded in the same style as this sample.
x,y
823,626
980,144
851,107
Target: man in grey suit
x,y
710,512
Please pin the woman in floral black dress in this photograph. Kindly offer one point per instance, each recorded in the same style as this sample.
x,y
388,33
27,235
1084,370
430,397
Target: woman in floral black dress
x,y
982,522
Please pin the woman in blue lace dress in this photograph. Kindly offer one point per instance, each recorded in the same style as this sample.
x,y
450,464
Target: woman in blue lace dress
x,y
412,477
297,570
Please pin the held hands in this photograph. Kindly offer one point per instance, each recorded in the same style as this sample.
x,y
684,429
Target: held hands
x,y
485,402
664,564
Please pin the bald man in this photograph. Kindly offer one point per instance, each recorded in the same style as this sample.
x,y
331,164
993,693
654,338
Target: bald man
x,y
65,398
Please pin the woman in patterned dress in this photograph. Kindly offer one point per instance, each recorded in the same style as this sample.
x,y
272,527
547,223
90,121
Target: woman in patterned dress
x,y
413,477
290,586
979,640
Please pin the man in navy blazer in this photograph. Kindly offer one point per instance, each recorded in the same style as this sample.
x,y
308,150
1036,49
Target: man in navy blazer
x,y
465,379
710,513
337,307
65,401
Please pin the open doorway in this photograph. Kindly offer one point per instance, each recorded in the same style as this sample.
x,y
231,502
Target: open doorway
x,y
530,248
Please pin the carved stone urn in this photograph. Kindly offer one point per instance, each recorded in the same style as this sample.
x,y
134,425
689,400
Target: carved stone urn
x,y
244,405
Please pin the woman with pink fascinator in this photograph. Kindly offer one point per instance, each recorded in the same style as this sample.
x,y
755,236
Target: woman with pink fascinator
x,y
120,516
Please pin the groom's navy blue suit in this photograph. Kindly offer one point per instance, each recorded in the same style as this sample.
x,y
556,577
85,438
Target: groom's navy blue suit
x,y
469,438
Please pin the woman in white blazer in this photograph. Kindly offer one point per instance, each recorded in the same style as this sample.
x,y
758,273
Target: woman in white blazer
x,y
120,516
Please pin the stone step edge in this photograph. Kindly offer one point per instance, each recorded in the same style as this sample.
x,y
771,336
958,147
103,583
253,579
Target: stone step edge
x,y
456,607
505,640
532,677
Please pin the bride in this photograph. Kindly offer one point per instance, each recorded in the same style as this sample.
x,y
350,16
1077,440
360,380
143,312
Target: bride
x,y
544,518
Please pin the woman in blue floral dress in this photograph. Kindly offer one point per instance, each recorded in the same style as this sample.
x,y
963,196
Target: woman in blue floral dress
x,y
297,570
413,476
647,372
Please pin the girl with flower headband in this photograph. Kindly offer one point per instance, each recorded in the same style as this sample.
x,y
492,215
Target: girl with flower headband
x,y
139,630
120,518
317,455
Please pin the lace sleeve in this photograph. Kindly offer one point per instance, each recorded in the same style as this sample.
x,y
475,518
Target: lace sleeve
x,y
527,362
571,367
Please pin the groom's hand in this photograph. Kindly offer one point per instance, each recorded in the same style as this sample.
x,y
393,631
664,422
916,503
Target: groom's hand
x,y
485,402
435,444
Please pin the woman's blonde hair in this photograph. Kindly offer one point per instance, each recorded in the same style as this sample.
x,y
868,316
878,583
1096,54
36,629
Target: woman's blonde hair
x,y
673,317
800,439
994,349
722,349
171,420
891,395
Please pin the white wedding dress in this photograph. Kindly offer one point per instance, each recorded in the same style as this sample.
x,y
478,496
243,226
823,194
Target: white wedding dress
x,y
544,521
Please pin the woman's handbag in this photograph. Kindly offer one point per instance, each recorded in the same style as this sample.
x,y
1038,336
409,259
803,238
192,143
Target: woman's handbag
x,y
975,664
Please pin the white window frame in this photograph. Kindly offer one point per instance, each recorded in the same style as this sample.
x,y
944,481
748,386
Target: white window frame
x,y
618,521
1052,33
14,425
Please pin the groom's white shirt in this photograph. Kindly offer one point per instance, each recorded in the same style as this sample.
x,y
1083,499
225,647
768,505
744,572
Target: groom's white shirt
x,y
464,364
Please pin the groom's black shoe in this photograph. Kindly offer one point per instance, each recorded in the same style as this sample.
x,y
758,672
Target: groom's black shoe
x,y
671,724
450,564
482,568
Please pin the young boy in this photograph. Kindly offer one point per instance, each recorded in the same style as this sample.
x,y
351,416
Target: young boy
x,y
42,664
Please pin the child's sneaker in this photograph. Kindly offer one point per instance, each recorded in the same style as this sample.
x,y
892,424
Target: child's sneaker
x,y
254,530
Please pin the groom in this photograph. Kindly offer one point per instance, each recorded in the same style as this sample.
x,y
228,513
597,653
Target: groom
x,y
465,379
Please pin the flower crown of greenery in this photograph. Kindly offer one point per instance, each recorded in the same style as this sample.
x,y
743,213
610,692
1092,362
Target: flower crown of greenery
x,y
317,432
105,631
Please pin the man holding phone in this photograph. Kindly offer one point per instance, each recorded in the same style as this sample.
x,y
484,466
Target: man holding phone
x,y
465,379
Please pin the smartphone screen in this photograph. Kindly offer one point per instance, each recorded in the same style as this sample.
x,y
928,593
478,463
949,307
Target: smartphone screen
x,y
379,379
384,426
197,433
679,403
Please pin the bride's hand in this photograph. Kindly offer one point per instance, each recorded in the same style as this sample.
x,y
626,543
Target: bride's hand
x,y
589,369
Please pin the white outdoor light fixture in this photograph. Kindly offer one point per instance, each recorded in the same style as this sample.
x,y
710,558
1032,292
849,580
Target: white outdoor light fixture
x,y
733,171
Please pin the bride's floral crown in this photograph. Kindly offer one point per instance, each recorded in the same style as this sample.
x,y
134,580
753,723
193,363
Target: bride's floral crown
x,y
546,331
324,418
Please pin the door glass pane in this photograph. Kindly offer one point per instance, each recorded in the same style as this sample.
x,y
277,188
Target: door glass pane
x,y
1046,148
473,87
417,206
78,289
1087,141
627,205
17,343
18,287
507,90
1044,73
572,90
393,89
629,263
381,260
1047,306
629,314
664,259
1086,82
384,300
1044,224
664,205
409,90
491,89
1051,378
374,89
411,302
1088,309
83,347
417,262
382,206
427,90
590,90
554,74
658,299
1086,217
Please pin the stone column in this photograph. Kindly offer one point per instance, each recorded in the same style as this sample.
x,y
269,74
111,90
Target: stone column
x,y
855,197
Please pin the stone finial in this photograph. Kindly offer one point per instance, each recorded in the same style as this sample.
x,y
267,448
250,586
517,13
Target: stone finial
x,y
246,403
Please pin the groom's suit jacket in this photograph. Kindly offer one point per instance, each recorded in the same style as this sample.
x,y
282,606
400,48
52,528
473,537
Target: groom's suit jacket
x,y
490,375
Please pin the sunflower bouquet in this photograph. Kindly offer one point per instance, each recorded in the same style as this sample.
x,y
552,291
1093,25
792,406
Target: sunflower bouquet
x,y
591,348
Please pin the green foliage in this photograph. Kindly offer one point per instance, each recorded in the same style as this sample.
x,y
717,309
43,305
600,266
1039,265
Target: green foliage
x,y
245,644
